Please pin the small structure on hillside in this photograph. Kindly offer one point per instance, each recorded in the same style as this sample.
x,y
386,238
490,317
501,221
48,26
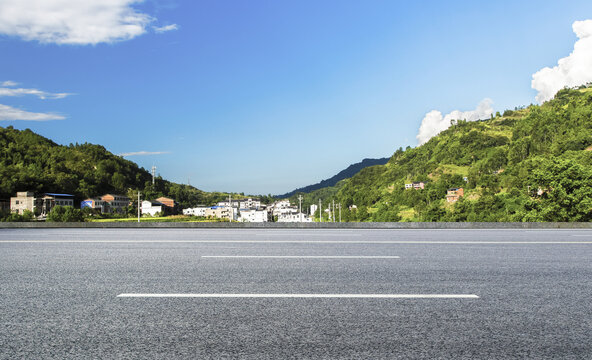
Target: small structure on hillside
x,y
416,185
454,194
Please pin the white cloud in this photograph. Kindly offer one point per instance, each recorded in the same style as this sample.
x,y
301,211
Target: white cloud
x,y
433,122
161,29
571,71
8,113
143,153
9,83
40,94
79,22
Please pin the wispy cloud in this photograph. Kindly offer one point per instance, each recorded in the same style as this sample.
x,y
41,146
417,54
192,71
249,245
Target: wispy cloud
x,y
72,21
5,91
571,71
162,29
144,153
8,113
434,122
8,83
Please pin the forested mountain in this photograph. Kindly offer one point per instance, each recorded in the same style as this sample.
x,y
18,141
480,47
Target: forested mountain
x,y
332,181
31,162
529,164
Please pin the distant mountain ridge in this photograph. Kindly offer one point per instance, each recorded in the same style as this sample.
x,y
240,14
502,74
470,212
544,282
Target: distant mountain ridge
x,y
344,174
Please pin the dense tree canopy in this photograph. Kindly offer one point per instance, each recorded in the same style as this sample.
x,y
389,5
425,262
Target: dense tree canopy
x,y
529,164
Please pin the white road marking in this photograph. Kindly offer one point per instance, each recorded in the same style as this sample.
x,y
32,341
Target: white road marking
x,y
297,257
358,296
430,242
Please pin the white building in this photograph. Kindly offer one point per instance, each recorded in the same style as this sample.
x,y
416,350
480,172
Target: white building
x,y
242,203
152,207
294,217
196,211
222,212
252,215
313,209
249,204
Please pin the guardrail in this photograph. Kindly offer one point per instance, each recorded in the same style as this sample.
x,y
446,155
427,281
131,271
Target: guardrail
x,y
272,225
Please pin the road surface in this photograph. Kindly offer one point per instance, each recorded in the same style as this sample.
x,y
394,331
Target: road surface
x,y
271,294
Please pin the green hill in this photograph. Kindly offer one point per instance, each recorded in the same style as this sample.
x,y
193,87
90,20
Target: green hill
x,y
31,162
531,164
332,181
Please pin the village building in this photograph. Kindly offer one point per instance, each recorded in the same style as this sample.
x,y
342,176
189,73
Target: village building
x,y
196,211
99,204
153,208
252,215
313,209
221,212
51,200
454,194
416,185
294,217
117,203
24,200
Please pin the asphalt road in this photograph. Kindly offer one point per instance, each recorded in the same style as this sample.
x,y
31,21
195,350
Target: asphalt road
x,y
531,294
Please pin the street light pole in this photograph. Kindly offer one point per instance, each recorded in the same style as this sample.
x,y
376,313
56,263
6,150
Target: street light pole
x,y
138,205
320,211
300,207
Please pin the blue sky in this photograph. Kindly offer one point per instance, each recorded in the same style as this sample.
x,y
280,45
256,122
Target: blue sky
x,y
266,96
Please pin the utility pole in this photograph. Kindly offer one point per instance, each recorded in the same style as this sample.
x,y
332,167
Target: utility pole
x,y
339,212
153,174
138,205
320,211
333,211
229,207
300,207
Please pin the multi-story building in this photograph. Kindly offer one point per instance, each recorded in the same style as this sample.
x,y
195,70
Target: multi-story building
x,y
454,194
249,204
153,208
169,203
96,204
252,215
117,203
24,200
51,200
196,211
313,209
416,185
222,212
294,217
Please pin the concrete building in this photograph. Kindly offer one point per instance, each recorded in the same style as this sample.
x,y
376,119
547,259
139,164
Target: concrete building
x,y
313,209
153,208
117,203
99,204
294,217
51,200
252,215
196,211
416,185
172,206
222,212
24,200
454,194
249,204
